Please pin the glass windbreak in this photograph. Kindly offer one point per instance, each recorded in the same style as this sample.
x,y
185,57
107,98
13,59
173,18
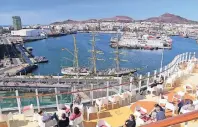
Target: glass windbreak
x,y
86,94
47,100
126,84
113,88
29,100
100,91
63,97
8,102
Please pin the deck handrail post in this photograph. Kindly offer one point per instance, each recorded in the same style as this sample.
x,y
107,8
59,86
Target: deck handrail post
x,y
131,83
186,57
140,82
177,60
180,58
120,87
189,57
18,101
173,69
56,92
91,93
155,74
107,89
37,99
148,79
165,72
183,57
161,71
168,70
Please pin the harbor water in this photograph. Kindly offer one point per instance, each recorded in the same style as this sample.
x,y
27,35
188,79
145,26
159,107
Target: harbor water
x,y
51,49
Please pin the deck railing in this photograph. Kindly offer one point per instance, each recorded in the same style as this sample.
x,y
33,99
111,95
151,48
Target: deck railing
x,y
16,100
184,118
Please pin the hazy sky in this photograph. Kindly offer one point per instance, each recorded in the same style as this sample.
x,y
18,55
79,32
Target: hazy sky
x,y
47,11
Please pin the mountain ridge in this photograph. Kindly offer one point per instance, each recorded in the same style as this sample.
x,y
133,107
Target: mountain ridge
x,y
169,18
164,18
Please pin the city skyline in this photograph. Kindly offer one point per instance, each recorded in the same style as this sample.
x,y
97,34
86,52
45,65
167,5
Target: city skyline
x,y
46,12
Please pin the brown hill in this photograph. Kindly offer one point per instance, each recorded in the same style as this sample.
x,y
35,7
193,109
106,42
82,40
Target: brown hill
x,y
169,18
116,18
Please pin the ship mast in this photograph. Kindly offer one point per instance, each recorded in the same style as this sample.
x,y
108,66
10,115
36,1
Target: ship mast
x,y
94,53
75,54
117,58
117,55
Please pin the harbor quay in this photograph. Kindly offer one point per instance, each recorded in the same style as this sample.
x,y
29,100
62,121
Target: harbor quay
x,y
44,82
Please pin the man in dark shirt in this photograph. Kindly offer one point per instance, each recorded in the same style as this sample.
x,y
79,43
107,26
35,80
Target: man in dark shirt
x,y
154,84
64,122
131,121
182,103
154,111
157,105
160,114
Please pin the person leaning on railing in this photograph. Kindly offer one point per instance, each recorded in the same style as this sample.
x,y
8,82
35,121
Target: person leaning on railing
x,y
78,99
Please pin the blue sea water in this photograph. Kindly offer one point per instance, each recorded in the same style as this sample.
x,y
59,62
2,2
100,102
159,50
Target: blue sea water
x,y
51,49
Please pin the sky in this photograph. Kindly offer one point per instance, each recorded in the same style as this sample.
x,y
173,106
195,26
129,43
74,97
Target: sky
x,y
48,11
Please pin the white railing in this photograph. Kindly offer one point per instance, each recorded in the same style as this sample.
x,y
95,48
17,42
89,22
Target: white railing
x,y
91,91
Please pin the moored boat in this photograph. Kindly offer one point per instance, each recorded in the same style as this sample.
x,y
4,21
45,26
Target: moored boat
x,y
75,71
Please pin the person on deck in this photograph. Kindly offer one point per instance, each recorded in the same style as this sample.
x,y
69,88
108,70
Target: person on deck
x,y
78,99
153,84
131,121
76,113
183,103
47,117
160,114
64,109
154,111
64,121
161,80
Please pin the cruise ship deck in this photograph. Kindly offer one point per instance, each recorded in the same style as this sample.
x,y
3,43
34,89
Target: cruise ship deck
x,y
181,77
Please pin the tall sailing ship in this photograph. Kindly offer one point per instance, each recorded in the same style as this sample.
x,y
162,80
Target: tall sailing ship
x,y
75,70
82,71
